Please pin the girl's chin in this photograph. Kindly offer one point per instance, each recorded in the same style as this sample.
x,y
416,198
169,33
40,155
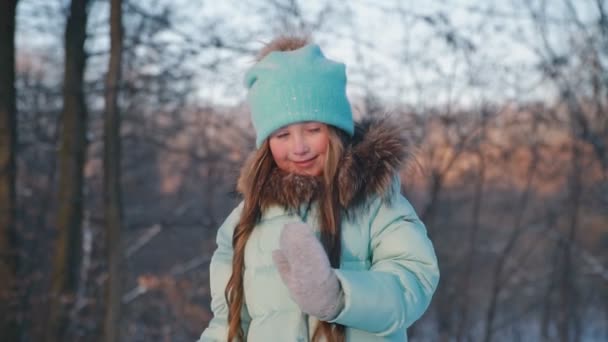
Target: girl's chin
x,y
306,172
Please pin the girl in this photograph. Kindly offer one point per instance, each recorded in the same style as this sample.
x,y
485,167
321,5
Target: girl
x,y
323,247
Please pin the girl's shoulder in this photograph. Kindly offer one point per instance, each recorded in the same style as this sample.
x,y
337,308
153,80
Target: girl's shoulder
x,y
369,205
227,227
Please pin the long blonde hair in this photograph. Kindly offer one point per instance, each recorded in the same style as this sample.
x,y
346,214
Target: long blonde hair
x,y
329,223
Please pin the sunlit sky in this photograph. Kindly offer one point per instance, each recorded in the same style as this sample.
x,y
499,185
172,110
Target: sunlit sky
x,y
396,50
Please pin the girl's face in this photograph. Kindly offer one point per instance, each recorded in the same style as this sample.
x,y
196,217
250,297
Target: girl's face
x,y
301,147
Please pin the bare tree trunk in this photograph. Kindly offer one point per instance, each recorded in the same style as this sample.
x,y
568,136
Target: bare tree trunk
x,y
567,318
9,323
468,271
442,297
548,309
499,279
112,189
428,213
72,152
444,300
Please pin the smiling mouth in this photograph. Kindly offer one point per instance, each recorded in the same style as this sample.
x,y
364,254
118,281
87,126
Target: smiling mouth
x,y
305,162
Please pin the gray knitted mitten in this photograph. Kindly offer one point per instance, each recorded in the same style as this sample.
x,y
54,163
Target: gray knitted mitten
x,y
305,269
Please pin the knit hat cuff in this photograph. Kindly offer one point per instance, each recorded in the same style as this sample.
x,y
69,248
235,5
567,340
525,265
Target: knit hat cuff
x,y
299,103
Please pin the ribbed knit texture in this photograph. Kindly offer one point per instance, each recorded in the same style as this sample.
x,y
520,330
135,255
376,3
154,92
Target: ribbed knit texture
x,y
287,87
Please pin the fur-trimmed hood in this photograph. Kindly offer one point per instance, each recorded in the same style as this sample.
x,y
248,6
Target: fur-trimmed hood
x,y
374,155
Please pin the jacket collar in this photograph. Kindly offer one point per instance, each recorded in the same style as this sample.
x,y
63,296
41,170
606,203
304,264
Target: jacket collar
x,y
376,152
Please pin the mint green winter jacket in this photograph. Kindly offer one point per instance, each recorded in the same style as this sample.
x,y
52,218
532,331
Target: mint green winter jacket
x,y
388,269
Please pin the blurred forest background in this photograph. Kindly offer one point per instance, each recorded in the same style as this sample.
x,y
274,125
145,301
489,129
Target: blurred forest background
x,y
123,127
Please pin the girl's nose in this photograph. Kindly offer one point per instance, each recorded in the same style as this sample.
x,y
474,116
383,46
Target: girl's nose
x,y
300,146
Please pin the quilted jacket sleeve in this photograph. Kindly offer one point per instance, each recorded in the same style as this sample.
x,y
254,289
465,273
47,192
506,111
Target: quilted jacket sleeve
x,y
397,289
220,270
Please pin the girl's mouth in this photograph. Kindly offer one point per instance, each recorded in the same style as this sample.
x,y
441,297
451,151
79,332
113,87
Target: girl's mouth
x,y
305,163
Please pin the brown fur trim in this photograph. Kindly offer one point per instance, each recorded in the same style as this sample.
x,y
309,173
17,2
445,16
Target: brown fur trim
x,y
302,189
283,43
378,151
375,154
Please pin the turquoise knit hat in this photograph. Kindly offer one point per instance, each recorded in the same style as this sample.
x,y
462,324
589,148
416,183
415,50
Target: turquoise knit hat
x,y
287,87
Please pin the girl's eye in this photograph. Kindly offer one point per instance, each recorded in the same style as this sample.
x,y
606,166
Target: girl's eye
x,y
314,129
282,135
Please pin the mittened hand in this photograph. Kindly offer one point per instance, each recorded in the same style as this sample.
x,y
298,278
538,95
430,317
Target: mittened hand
x,y
305,269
